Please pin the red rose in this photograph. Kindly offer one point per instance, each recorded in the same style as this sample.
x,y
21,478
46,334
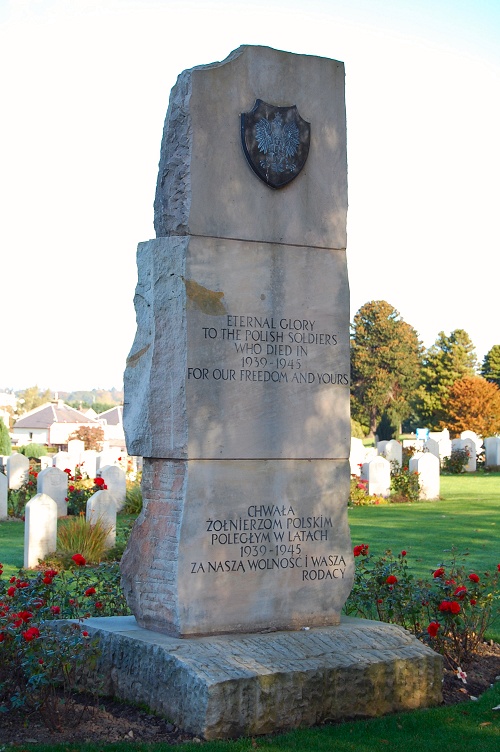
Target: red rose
x,y
40,661
439,572
473,601
31,634
433,628
79,559
498,567
391,580
98,604
90,591
55,609
455,607
444,606
47,580
25,615
473,577
2,637
67,470
460,592
11,591
403,553
85,633
380,600
71,488
99,481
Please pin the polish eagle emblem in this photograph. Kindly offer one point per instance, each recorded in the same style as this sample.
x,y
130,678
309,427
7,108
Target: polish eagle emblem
x,y
275,141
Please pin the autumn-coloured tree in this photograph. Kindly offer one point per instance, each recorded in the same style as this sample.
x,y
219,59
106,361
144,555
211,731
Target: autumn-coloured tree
x,y
450,358
472,404
385,364
92,436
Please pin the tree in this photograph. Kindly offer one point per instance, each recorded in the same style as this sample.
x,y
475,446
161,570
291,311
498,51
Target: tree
x,y
385,364
472,404
491,365
5,444
92,436
32,397
450,358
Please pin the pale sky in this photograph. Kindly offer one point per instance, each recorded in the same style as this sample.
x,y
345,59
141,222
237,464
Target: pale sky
x,y
84,92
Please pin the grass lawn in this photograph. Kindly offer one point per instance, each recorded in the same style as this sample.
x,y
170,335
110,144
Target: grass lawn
x,y
464,727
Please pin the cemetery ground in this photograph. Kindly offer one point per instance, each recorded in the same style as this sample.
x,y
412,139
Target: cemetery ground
x,y
465,518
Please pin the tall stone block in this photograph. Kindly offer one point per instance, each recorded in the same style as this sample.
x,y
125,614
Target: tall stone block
x,y
40,529
54,483
237,384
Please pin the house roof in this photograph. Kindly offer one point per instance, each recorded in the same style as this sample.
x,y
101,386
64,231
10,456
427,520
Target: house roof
x,y
53,412
113,417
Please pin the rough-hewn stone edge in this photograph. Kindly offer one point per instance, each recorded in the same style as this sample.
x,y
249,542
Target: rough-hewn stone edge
x,y
235,685
173,188
160,341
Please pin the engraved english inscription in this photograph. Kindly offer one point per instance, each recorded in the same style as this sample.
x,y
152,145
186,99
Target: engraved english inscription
x,y
275,141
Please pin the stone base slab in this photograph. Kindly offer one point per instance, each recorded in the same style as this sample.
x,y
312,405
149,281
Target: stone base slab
x,y
226,686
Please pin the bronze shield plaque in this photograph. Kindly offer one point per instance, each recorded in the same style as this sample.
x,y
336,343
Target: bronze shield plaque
x,y
275,141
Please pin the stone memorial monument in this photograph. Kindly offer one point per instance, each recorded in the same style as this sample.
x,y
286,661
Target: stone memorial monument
x,y
237,398
237,384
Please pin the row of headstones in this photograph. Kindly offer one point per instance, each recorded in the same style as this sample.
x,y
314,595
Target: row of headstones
x,y
40,528
439,445
16,466
377,473
53,482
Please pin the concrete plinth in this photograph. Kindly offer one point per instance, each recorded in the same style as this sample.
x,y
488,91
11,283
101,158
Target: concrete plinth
x,y
226,686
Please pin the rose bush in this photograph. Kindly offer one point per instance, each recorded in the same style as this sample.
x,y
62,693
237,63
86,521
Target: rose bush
x,y
451,610
41,661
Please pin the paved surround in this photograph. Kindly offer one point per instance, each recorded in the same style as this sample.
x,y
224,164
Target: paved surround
x,y
233,685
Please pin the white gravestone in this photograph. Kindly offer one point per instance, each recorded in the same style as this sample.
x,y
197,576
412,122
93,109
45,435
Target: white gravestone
x,y
427,466
64,461
102,506
89,463
444,448
381,445
237,384
474,437
76,447
394,452
46,461
4,487
492,451
54,483
40,529
356,456
115,479
470,447
378,474
17,470
432,446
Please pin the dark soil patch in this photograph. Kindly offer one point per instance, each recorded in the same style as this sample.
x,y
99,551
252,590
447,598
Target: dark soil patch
x,y
112,721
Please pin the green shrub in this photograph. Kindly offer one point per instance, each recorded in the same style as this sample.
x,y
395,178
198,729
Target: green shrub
x,y
405,485
357,430
76,535
359,496
133,500
5,443
19,497
33,450
457,462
